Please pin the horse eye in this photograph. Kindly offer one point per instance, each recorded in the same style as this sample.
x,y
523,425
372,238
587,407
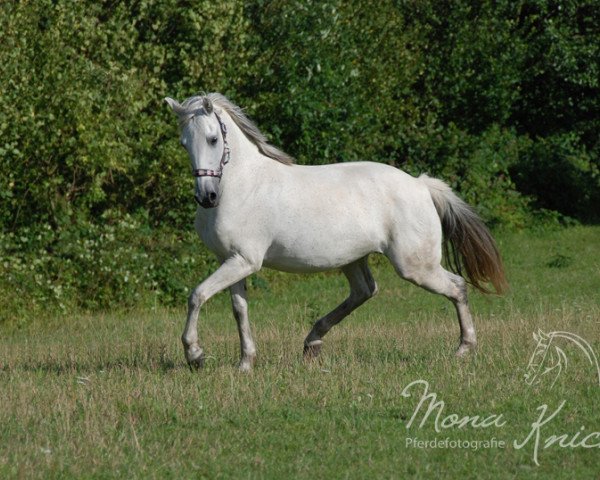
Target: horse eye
x,y
213,140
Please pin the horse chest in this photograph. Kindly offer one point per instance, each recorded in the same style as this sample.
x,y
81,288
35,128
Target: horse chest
x,y
222,237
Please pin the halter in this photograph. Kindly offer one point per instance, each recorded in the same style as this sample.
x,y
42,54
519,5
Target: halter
x,y
203,172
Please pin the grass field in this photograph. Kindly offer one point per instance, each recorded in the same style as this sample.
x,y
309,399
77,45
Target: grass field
x,y
110,396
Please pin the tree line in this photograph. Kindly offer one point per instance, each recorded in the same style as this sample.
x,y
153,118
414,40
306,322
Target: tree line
x,y
499,98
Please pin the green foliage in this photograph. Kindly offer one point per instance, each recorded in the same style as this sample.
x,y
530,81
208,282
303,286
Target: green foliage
x,y
116,262
471,60
478,168
562,175
68,133
501,99
329,79
83,122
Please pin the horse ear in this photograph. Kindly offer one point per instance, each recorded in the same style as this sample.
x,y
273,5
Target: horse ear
x,y
207,104
174,104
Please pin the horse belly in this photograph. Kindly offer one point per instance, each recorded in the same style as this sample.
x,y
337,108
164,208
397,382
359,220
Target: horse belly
x,y
324,243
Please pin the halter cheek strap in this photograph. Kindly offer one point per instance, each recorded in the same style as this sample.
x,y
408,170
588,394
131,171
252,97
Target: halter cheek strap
x,y
202,172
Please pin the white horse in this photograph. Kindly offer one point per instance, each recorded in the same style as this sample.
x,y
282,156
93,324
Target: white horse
x,y
258,209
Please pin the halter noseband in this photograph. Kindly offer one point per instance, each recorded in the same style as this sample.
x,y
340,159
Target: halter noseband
x,y
203,172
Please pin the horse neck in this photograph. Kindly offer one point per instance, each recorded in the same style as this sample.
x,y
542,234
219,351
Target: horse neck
x,y
246,163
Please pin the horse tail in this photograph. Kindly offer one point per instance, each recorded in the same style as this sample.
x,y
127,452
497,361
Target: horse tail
x,y
467,241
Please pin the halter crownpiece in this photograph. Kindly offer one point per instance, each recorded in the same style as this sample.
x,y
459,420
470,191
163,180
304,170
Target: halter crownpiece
x,y
203,172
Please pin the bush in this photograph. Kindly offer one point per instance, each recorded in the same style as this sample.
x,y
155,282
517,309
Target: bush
x,y
501,99
561,176
116,263
84,125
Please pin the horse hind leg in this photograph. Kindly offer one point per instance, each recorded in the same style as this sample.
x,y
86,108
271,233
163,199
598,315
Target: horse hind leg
x,y
434,278
468,337
362,287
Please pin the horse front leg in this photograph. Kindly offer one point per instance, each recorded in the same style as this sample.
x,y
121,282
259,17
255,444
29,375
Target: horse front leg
x,y
231,271
239,304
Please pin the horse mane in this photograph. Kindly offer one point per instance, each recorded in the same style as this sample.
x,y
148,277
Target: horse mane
x,y
250,130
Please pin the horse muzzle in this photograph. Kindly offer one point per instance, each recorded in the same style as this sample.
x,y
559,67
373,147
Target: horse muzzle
x,y
207,200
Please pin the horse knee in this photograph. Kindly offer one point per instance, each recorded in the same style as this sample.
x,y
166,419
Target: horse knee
x,y
196,299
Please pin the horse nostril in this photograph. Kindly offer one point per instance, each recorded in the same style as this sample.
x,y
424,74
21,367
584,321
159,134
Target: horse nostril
x,y
212,196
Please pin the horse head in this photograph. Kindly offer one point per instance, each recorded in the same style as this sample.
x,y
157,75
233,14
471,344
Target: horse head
x,y
204,136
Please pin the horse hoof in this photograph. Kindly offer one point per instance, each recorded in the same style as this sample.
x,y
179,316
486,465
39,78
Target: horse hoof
x,y
197,363
312,350
465,348
246,365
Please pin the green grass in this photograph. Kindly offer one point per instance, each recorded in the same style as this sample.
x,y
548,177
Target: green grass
x,y
109,396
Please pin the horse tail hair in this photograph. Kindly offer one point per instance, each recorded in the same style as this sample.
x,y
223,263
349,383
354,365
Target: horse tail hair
x,y
467,241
